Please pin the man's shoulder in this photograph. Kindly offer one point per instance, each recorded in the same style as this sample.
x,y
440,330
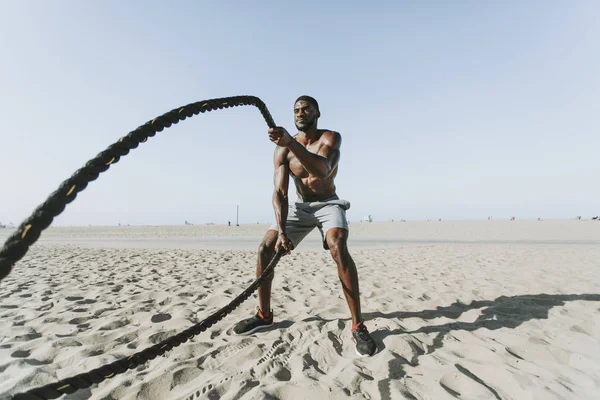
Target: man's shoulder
x,y
329,132
332,138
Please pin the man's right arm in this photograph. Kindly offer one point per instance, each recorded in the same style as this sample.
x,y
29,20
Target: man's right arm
x,y
281,183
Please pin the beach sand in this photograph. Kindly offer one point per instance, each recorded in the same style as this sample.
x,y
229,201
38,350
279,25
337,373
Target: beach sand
x,y
468,310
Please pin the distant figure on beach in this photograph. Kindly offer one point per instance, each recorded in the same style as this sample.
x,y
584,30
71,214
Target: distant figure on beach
x,y
490,218
512,218
229,223
579,218
311,158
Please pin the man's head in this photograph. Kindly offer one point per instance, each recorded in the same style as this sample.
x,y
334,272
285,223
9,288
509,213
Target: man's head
x,y
306,113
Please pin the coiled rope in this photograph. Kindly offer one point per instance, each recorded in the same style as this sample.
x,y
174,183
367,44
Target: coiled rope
x,y
17,245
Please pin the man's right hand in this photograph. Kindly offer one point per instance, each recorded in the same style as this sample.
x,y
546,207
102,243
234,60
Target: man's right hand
x,y
283,244
280,136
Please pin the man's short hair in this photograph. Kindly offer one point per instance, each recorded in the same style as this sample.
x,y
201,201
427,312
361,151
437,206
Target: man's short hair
x,y
310,100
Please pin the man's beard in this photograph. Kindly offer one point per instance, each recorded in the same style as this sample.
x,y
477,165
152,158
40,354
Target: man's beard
x,y
304,126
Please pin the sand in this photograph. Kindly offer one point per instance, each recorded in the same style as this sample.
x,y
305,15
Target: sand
x,y
468,310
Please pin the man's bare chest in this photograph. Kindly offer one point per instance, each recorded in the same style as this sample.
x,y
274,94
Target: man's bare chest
x,y
295,164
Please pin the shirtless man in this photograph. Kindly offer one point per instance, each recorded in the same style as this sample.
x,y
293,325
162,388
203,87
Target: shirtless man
x,y
311,158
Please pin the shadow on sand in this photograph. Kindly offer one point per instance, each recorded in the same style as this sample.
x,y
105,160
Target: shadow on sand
x,y
503,312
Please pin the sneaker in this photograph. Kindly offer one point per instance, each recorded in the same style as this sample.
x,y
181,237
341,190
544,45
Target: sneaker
x,y
253,324
365,345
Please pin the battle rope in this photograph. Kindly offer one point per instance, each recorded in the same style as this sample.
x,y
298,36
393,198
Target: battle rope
x,y
87,379
17,245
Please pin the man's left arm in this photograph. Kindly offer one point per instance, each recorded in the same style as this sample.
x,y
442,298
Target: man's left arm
x,y
322,164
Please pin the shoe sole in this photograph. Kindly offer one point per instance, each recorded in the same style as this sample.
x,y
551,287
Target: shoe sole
x,y
366,355
251,331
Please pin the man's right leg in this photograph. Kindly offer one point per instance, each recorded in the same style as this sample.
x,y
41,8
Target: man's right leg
x,y
264,317
298,224
266,251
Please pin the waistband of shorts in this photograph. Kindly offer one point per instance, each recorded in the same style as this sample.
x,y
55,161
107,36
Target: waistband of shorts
x,y
319,204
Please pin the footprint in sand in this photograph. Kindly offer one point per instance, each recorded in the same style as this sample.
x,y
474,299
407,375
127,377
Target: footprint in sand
x,y
79,320
337,345
117,288
463,383
21,354
73,298
87,301
161,336
185,375
27,337
310,362
114,325
282,374
209,387
160,318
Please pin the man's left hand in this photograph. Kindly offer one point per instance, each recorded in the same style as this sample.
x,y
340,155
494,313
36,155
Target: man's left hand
x,y
280,136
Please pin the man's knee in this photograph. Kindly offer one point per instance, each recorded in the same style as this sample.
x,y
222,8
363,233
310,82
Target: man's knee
x,y
337,241
266,248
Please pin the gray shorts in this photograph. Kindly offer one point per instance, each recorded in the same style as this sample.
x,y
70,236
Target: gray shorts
x,y
304,217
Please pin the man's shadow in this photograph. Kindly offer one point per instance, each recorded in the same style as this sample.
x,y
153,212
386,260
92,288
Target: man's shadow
x,y
503,312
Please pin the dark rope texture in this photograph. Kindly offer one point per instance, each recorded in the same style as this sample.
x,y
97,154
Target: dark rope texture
x,y
87,379
17,245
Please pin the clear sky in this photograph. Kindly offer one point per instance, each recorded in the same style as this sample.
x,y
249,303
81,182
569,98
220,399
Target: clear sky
x,y
452,110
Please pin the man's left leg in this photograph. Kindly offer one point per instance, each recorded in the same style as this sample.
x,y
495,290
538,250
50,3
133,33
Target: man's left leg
x,y
337,241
